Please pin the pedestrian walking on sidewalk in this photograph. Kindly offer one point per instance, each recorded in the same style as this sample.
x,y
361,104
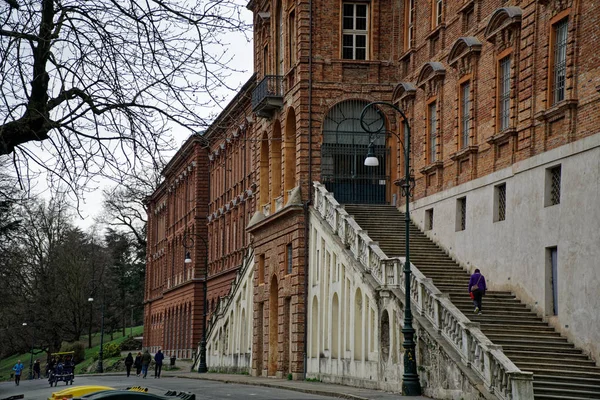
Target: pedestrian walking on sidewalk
x,y
18,368
128,363
146,360
477,287
138,364
36,369
158,361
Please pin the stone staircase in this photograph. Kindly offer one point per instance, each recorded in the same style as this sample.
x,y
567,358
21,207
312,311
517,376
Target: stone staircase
x,y
561,371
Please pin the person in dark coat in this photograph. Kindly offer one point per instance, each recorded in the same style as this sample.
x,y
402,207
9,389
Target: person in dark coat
x,y
128,363
158,360
50,367
146,360
36,369
138,364
477,287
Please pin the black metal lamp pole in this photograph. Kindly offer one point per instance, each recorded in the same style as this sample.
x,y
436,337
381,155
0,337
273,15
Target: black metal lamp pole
x,y
188,243
31,352
410,379
100,368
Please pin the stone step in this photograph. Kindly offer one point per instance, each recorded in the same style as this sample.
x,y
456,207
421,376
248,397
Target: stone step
x,y
557,379
565,393
534,337
518,329
566,371
568,354
571,368
526,349
527,358
499,321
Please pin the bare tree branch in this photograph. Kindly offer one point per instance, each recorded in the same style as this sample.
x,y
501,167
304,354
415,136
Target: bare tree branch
x,y
92,88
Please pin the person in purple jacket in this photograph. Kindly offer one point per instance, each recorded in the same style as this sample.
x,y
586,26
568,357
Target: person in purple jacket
x,y
478,288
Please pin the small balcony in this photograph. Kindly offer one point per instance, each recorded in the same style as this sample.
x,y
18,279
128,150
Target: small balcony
x,y
268,96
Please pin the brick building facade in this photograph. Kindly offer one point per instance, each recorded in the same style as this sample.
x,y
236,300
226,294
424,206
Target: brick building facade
x,y
177,211
486,84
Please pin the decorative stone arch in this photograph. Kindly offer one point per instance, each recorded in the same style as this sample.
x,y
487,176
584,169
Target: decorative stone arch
x,y
314,329
244,331
275,161
289,152
464,51
335,326
404,91
358,325
504,23
431,75
273,326
264,171
385,337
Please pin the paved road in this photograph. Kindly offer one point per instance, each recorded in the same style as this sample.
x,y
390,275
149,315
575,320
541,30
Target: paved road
x,y
204,389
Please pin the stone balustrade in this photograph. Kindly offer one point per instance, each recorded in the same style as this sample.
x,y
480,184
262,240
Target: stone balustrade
x,y
487,360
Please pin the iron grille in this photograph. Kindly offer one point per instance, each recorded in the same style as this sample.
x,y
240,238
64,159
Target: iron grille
x,y
560,61
463,213
345,146
555,185
502,202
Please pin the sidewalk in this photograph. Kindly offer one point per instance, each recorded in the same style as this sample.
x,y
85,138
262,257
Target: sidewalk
x,y
317,388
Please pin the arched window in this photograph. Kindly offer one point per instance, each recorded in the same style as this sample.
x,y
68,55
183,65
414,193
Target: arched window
x,y
358,326
289,155
344,149
275,163
264,171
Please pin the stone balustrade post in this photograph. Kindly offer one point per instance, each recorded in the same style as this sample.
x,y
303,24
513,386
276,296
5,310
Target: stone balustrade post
x,y
521,385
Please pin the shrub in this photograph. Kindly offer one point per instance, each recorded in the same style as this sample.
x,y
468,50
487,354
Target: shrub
x,y
78,348
111,350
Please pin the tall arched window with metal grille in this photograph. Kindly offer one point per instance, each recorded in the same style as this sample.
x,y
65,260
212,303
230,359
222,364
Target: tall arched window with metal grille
x,y
345,146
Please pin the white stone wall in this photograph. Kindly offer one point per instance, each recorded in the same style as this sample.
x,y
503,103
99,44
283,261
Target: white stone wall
x,y
512,254
344,338
229,344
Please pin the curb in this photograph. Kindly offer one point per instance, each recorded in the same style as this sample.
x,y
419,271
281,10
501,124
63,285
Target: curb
x,y
278,386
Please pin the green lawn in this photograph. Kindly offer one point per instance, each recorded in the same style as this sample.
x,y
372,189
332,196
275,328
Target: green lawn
x,y
7,363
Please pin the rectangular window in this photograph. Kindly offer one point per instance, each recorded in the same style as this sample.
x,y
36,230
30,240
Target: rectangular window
x,y
355,31
553,178
504,94
559,60
292,38
500,202
461,214
288,258
436,15
409,28
429,219
432,131
465,114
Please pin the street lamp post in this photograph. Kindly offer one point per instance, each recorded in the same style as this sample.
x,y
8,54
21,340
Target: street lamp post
x,y
31,352
100,367
410,379
188,243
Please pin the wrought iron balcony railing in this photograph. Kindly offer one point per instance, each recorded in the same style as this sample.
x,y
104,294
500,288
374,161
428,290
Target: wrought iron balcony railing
x,y
268,96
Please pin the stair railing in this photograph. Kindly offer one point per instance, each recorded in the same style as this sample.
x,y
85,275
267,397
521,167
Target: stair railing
x,y
500,375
